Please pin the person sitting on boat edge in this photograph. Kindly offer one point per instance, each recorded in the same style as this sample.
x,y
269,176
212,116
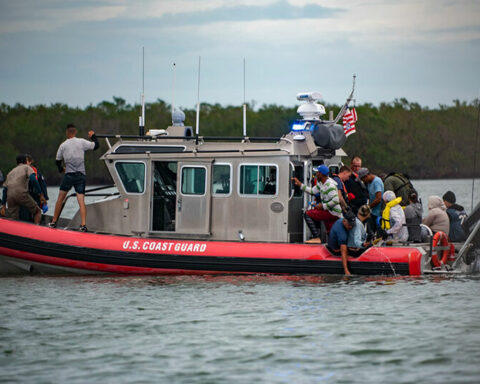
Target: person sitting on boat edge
x,y
393,218
437,218
328,209
72,152
375,193
344,174
456,214
413,217
355,187
338,238
357,238
16,191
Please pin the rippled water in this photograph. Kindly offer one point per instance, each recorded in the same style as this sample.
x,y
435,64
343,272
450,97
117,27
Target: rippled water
x,y
241,329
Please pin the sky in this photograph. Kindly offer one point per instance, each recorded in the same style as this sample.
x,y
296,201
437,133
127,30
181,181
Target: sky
x,y
81,52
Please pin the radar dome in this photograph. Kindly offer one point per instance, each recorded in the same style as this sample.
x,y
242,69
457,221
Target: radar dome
x,y
178,117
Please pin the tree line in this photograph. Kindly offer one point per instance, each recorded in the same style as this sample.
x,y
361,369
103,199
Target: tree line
x,y
399,136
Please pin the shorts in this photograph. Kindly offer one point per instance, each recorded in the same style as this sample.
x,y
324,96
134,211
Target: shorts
x,y
75,180
15,200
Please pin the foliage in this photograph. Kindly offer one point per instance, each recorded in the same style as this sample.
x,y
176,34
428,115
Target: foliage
x,y
396,136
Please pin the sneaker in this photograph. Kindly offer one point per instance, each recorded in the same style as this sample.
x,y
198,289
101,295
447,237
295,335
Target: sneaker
x,y
52,224
83,228
315,240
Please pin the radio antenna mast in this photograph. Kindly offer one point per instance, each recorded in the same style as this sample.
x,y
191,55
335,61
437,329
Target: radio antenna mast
x,y
198,100
173,89
244,104
141,119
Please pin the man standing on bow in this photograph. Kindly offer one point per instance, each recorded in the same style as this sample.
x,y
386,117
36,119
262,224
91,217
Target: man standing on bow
x,y
72,152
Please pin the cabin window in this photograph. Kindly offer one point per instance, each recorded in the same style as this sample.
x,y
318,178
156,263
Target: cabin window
x,y
193,180
221,176
132,175
258,179
298,173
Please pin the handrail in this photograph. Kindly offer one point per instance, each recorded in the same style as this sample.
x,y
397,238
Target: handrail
x,y
201,138
92,194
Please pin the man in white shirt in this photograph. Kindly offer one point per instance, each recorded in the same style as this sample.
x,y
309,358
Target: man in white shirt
x,y
72,152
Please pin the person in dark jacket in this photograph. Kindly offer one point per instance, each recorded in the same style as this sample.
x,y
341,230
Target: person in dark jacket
x,y
413,216
456,214
356,189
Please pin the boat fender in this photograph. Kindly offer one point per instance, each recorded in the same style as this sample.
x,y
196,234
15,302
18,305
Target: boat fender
x,y
441,237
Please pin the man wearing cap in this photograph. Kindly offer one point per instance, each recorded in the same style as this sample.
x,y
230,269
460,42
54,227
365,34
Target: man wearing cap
x,y
328,209
456,214
338,238
375,192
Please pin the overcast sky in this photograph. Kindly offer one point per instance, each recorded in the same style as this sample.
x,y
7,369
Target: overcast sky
x,y
83,51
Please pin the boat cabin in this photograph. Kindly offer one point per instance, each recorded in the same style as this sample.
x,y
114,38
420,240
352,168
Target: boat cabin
x,y
175,185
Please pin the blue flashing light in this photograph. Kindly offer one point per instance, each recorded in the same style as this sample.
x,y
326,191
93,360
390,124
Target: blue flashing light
x,y
298,126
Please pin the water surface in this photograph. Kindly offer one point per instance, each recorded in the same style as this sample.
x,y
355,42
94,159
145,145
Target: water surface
x,y
224,329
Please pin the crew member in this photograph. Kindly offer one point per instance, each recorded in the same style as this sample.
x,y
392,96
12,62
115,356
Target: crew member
x,y
400,184
72,152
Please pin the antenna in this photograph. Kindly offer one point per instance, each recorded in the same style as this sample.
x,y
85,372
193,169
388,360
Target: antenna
x,y
244,104
198,100
475,154
141,119
173,89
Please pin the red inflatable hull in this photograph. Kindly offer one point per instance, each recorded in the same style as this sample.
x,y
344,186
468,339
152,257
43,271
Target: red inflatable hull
x,y
88,252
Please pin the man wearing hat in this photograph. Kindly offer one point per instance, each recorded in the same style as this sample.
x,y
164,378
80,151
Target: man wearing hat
x,y
338,237
328,209
375,192
456,214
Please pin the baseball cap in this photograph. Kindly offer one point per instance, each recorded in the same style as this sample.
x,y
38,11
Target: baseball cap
x,y
350,217
323,169
363,172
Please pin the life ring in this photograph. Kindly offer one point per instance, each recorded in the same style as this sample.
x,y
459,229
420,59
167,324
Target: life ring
x,y
441,237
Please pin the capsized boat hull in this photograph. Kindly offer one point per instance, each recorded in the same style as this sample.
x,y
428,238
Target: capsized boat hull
x,y
30,248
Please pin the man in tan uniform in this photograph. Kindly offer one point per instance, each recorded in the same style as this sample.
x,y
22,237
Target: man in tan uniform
x,y
17,190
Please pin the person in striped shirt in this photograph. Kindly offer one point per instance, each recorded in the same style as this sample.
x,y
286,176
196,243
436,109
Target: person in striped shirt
x,y
328,208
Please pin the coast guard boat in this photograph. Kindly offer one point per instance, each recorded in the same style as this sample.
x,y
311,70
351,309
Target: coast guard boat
x,y
188,204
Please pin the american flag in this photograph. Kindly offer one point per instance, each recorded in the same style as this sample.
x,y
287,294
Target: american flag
x,y
349,120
